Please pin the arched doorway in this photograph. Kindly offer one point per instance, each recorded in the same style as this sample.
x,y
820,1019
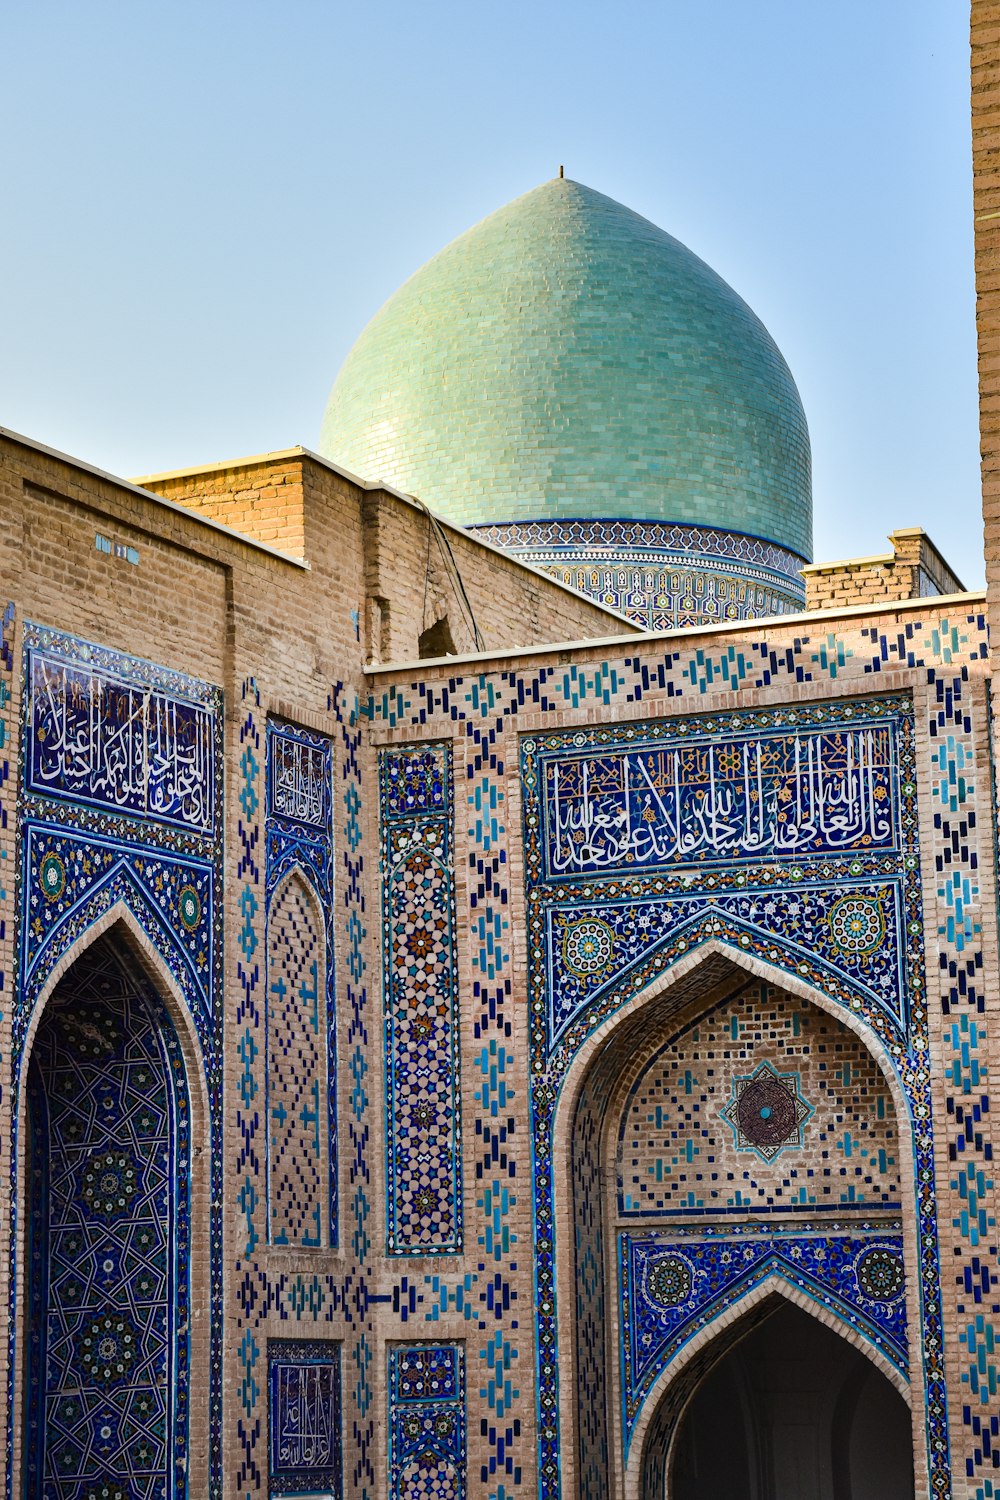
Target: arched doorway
x,y
108,1171
727,1137
791,1410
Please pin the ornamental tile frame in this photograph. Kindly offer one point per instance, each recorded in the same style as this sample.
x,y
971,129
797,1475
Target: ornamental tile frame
x,y
120,812
767,781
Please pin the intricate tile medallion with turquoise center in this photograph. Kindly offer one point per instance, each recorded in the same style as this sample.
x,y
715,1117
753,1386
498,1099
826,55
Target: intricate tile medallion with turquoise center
x,y
767,1112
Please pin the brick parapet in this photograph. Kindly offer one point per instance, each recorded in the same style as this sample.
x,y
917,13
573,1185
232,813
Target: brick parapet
x,y
913,569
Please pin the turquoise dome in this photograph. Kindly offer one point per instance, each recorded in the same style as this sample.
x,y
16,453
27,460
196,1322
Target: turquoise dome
x,y
566,359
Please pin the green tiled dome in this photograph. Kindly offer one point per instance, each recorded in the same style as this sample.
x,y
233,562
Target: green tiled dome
x,y
566,359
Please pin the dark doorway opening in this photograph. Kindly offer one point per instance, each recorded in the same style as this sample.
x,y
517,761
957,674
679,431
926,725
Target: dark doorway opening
x,y
793,1412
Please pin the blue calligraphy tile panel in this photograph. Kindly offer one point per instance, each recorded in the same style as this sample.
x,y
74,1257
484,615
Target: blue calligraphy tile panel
x,y
304,1418
301,1011
120,807
116,732
673,1285
693,792
427,1453
424,1181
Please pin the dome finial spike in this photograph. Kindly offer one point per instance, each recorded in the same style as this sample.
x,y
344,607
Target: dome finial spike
x,y
562,172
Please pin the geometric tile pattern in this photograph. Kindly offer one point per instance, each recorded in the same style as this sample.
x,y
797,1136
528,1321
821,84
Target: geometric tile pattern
x,y
304,1417
301,1014
359,1043
672,1286
678,1150
426,1422
108,1387
424,1188
297,1108
664,576
249,1174
767,1112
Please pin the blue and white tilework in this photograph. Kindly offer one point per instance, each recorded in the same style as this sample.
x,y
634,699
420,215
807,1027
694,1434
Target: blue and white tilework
x,y
427,1422
304,1417
941,655
423,1140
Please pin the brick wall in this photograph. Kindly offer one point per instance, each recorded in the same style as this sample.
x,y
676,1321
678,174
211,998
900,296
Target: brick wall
x,y
914,569
418,572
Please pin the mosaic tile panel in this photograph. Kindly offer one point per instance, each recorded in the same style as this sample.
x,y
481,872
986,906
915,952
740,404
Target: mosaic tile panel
x,y
304,1417
679,1153
118,817
673,1285
108,1242
427,1422
424,1182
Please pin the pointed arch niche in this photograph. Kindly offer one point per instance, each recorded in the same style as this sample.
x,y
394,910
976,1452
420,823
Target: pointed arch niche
x,y
113,1178
731,1138
298,1103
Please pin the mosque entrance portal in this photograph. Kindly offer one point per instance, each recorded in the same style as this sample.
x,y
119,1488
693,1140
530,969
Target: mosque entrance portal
x,y
107,1240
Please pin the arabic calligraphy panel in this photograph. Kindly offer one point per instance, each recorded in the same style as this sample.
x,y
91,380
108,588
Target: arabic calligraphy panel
x,y
99,736
709,797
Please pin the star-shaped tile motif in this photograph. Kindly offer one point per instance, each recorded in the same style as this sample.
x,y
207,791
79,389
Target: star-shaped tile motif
x,y
767,1112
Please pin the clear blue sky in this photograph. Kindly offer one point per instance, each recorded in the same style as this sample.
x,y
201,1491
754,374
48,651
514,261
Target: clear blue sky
x,y
204,204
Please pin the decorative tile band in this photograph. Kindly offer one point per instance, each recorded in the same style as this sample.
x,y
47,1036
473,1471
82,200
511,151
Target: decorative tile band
x,y
301,1014
424,1181
427,1454
662,576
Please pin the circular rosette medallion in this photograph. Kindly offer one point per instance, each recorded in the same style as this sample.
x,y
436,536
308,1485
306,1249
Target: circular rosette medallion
x,y
52,877
189,907
669,1280
108,1348
587,947
857,925
880,1273
109,1183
